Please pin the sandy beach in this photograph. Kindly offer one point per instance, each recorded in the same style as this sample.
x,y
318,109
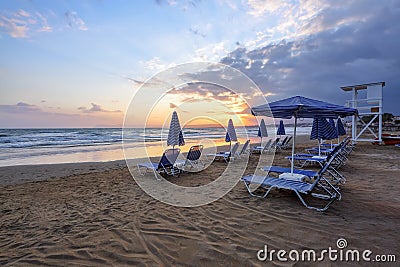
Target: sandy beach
x,y
94,214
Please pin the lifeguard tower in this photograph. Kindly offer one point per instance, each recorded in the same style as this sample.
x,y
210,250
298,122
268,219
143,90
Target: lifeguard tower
x,y
367,102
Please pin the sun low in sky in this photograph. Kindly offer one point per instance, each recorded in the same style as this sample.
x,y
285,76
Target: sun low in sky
x,y
80,63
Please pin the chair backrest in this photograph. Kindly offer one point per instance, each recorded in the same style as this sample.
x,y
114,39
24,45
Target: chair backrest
x,y
169,157
334,151
268,144
275,142
325,168
288,140
284,141
194,153
234,149
244,147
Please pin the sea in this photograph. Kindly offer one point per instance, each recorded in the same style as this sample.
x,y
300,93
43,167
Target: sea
x,y
71,145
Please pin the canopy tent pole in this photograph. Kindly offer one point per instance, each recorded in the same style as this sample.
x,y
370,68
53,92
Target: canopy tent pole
x,y
293,144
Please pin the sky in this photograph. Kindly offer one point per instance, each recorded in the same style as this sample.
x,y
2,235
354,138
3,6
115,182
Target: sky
x,y
80,63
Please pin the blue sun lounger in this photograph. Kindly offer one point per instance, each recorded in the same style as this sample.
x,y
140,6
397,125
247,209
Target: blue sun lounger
x,y
226,155
278,169
192,158
321,188
165,165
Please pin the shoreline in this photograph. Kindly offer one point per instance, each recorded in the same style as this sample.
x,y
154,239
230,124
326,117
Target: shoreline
x,y
17,174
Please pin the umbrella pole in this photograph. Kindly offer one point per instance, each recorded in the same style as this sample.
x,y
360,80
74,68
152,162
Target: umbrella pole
x,y
319,147
293,144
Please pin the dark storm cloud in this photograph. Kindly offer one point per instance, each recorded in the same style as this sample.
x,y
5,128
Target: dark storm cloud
x,y
358,43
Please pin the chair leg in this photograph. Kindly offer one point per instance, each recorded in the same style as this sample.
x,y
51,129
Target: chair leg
x,y
257,195
312,207
140,172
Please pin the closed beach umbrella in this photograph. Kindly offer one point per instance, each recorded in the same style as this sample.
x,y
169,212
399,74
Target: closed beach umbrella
x,y
321,129
230,133
335,132
340,128
262,130
281,129
175,136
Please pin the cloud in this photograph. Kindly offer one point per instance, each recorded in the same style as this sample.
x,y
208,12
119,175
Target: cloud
x,y
29,109
74,21
261,7
344,45
20,107
95,108
28,115
207,93
21,23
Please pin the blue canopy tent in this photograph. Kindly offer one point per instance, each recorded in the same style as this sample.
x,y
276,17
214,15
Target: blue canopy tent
x,y
301,107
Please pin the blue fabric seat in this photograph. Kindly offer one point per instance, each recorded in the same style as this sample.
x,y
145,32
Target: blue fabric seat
x,y
165,165
192,158
301,187
278,169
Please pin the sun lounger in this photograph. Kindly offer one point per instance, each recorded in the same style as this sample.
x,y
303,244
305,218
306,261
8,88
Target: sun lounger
x,y
165,165
341,153
226,156
321,188
307,160
286,145
192,158
244,149
279,170
279,145
322,150
274,144
261,149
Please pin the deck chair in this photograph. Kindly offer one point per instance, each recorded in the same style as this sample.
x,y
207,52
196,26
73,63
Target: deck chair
x,y
243,150
339,159
192,158
165,165
279,145
274,144
286,145
228,155
279,170
323,150
261,149
321,188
